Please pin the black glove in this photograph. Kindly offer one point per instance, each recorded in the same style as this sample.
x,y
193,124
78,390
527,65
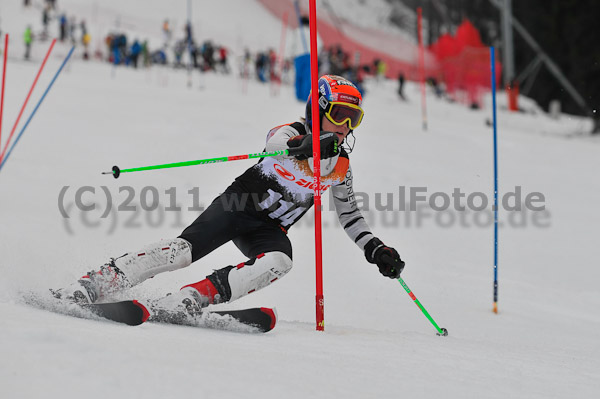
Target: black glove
x,y
387,258
301,147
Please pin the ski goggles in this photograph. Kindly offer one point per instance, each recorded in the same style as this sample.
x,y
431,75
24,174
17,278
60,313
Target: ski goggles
x,y
339,113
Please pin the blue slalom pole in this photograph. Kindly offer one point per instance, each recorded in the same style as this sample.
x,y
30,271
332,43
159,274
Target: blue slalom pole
x,y
297,8
493,62
36,108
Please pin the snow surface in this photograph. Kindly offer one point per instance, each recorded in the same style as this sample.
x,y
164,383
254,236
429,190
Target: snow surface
x,y
544,343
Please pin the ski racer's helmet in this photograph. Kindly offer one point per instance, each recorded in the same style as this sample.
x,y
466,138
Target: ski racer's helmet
x,y
339,101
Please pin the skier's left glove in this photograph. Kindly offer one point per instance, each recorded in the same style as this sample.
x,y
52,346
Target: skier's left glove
x,y
386,258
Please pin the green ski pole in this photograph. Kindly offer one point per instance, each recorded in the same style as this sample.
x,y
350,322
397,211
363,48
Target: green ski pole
x,y
441,331
116,171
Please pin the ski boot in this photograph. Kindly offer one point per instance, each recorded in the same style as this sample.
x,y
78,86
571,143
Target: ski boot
x,y
95,285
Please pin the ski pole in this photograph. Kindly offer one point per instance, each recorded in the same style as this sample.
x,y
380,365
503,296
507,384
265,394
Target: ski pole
x,y
441,331
116,171
12,147
27,100
3,85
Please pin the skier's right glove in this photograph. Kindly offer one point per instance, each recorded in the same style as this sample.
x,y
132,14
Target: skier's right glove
x,y
301,146
386,258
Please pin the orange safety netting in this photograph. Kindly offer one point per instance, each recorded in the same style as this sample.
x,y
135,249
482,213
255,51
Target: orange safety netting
x,y
465,64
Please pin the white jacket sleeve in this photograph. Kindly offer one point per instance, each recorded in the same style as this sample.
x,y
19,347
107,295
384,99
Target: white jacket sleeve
x,y
277,138
348,213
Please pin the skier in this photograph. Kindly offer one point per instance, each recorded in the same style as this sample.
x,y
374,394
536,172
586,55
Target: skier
x,y
255,212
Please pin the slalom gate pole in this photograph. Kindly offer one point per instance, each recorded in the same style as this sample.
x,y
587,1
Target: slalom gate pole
x,y
493,69
3,84
36,107
116,171
422,67
316,130
297,8
440,331
26,101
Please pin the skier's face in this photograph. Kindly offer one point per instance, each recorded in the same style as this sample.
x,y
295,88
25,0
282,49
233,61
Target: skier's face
x,y
340,131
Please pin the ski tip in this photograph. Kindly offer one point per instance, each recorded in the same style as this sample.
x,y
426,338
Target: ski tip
x,y
146,313
127,312
272,313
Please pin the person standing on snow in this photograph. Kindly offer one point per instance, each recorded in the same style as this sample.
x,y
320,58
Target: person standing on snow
x,y
63,27
86,39
134,53
45,21
255,212
27,38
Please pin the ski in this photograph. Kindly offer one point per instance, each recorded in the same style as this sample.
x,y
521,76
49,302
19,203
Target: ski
x,y
131,313
134,313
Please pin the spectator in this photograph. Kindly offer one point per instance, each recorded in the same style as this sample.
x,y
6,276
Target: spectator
x,y
145,54
45,20
135,51
380,69
401,86
262,61
193,53
121,48
83,29
28,38
63,27
223,60
117,45
208,52
178,50
166,33
108,41
273,66
159,57
188,33
437,89
86,41
246,64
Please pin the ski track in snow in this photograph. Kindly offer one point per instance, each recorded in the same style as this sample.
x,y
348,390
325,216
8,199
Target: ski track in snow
x,y
543,344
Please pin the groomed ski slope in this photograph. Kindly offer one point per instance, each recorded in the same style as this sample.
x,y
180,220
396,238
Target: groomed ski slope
x,y
544,343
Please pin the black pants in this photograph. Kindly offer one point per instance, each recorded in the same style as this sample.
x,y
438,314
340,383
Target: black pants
x,y
217,225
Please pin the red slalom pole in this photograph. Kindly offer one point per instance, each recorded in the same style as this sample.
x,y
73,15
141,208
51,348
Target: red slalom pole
x,y
3,84
26,100
316,130
422,66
